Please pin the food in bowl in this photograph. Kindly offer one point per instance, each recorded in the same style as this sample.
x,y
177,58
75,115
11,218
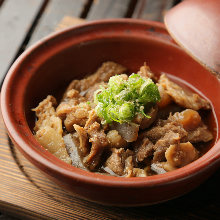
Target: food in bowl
x,y
124,125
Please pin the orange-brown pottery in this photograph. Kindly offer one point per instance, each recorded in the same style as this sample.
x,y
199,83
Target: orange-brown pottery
x,y
194,24
53,62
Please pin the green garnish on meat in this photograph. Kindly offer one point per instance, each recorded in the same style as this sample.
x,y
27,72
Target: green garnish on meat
x,y
123,99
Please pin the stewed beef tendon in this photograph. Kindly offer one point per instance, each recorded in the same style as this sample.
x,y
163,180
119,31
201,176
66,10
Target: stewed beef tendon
x,y
125,125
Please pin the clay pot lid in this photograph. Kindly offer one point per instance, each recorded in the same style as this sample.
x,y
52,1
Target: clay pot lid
x,y
195,26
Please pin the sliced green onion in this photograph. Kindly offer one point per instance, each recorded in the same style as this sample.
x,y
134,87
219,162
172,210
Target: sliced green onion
x,y
123,99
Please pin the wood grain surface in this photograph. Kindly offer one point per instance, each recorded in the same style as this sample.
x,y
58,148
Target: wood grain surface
x,y
108,9
15,21
55,11
25,193
151,9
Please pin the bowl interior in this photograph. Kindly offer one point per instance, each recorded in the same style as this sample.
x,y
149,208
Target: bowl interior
x,y
48,67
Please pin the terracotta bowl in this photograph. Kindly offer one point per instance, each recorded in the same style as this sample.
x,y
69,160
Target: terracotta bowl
x,y
49,65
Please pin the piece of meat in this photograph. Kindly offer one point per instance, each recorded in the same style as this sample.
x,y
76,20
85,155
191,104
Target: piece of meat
x,y
91,119
131,171
179,155
46,115
162,144
200,134
146,72
116,161
65,108
190,119
192,123
46,107
144,149
115,139
137,172
51,140
99,142
165,99
167,166
49,129
183,97
78,115
74,95
145,122
73,110
121,162
72,149
83,146
103,74
51,121
128,131
67,105
129,165
157,132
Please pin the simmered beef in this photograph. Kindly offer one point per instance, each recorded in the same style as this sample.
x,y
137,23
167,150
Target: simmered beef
x,y
49,130
162,144
46,114
73,110
157,132
78,116
103,74
121,162
183,97
99,142
116,161
83,146
146,72
200,134
130,126
146,122
179,155
189,119
165,97
67,105
145,148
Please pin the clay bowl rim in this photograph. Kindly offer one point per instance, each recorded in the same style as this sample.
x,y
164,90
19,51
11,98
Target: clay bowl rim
x,y
46,161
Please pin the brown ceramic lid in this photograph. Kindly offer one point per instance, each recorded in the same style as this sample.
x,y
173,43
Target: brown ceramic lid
x,y
195,26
